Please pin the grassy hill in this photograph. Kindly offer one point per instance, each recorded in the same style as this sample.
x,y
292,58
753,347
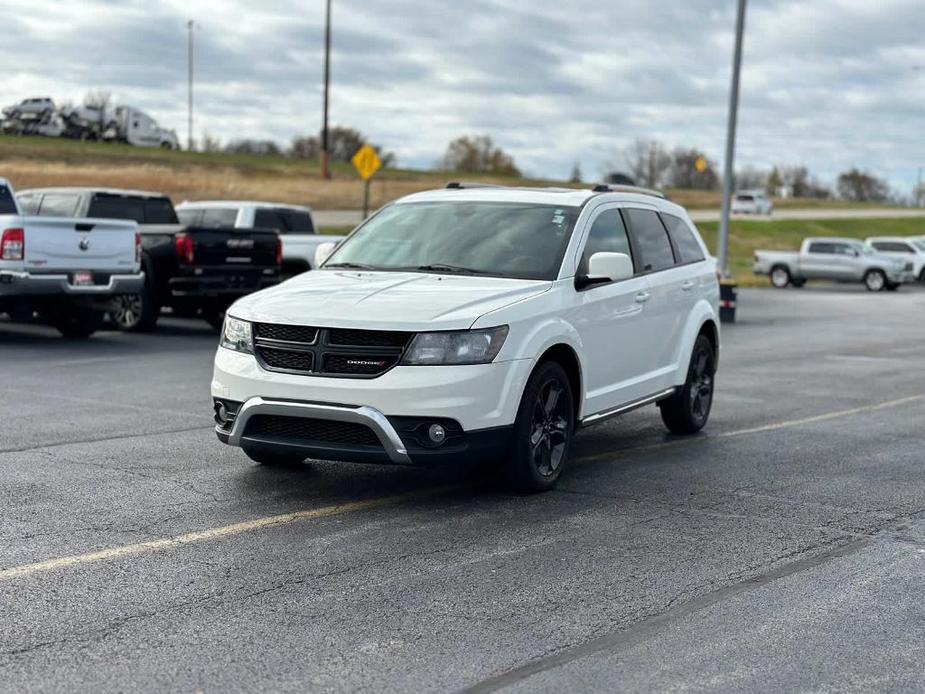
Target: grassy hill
x,y
35,161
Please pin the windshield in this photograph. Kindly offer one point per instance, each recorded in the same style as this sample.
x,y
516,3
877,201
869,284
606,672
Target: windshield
x,y
516,240
919,244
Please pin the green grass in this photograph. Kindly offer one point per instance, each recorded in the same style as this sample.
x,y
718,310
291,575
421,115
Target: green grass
x,y
745,237
335,231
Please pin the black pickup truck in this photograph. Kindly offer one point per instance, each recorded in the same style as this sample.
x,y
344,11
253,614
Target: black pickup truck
x,y
194,270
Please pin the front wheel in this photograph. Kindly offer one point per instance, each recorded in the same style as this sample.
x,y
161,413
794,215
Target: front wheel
x,y
687,411
780,276
543,430
875,280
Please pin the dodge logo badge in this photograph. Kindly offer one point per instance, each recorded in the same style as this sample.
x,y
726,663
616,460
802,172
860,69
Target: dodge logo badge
x,y
84,243
365,362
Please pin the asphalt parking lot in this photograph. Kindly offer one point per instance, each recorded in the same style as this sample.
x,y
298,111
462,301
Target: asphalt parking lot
x,y
782,549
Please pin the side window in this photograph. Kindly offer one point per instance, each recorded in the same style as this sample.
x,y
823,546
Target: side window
x,y
268,219
29,204
58,205
688,248
843,249
219,217
650,239
8,204
297,222
607,235
191,218
819,247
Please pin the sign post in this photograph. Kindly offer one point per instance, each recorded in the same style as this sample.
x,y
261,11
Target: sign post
x,y
367,163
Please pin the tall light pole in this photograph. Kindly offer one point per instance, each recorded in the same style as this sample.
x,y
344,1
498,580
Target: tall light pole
x,y
728,169
189,123
325,139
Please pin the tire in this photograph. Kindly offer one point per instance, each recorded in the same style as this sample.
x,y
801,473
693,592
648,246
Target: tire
x,y
543,431
780,276
687,411
272,459
797,284
875,280
78,323
135,312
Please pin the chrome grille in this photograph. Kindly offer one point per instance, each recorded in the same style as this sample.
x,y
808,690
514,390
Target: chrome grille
x,y
333,352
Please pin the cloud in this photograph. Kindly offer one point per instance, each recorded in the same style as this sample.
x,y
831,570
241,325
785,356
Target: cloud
x,y
830,83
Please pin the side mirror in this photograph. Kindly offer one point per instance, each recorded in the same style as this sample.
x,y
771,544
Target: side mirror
x,y
607,267
323,252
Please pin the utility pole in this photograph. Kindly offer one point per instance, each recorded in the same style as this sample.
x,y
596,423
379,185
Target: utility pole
x,y
918,190
189,124
728,170
325,139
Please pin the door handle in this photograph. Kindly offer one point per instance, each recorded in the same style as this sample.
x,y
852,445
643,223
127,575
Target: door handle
x,y
642,297
687,286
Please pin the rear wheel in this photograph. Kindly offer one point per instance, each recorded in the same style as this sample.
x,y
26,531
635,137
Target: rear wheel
x,y
543,430
136,312
687,411
875,280
273,459
780,276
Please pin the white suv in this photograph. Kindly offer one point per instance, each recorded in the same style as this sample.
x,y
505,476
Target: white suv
x,y
752,202
910,249
476,322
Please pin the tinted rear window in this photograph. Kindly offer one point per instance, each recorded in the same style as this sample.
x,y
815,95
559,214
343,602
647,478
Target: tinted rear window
x,y
651,239
284,220
684,240
142,210
7,203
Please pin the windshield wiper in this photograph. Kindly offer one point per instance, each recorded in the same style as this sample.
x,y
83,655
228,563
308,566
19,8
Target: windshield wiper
x,y
441,267
352,266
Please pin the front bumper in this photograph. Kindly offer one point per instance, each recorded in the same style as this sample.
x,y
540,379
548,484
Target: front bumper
x,y
14,283
477,406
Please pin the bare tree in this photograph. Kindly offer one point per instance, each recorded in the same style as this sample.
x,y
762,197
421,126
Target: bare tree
x,y
862,186
210,144
575,177
344,143
478,154
648,161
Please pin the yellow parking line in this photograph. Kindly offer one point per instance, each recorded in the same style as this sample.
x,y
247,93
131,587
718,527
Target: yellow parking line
x,y
212,534
350,507
788,424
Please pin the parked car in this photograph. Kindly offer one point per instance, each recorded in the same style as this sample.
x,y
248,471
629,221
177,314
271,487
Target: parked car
x,y
476,322
903,248
62,270
752,202
194,270
295,225
839,260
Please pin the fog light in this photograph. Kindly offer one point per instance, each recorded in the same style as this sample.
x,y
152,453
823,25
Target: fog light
x,y
437,433
221,413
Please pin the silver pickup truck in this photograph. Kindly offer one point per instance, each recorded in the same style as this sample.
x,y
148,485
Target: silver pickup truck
x,y
837,260
64,271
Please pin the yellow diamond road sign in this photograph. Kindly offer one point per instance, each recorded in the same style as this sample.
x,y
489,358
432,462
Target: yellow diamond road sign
x,y
701,165
367,162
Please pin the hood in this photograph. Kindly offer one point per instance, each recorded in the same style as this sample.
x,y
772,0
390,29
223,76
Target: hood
x,y
384,300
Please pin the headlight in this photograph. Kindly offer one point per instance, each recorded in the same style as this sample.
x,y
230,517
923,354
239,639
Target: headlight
x,y
457,347
236,335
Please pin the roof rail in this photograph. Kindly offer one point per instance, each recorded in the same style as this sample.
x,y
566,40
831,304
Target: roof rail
x,y
614,188
461,185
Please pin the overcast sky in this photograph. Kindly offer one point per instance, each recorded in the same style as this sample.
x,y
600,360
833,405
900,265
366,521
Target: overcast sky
x,y
828,83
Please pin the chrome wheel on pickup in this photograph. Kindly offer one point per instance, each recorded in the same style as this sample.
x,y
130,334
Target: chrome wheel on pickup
x,y
126,311
542,431
780,276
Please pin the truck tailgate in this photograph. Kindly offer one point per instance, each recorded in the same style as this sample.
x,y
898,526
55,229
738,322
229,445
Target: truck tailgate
x,y
226,247
65,245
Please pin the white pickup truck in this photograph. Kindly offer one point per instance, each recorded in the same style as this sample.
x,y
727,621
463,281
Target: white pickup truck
x,y
835,259
64,271
294,223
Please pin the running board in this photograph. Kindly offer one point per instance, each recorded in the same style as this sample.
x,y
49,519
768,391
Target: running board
x,y
623,409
